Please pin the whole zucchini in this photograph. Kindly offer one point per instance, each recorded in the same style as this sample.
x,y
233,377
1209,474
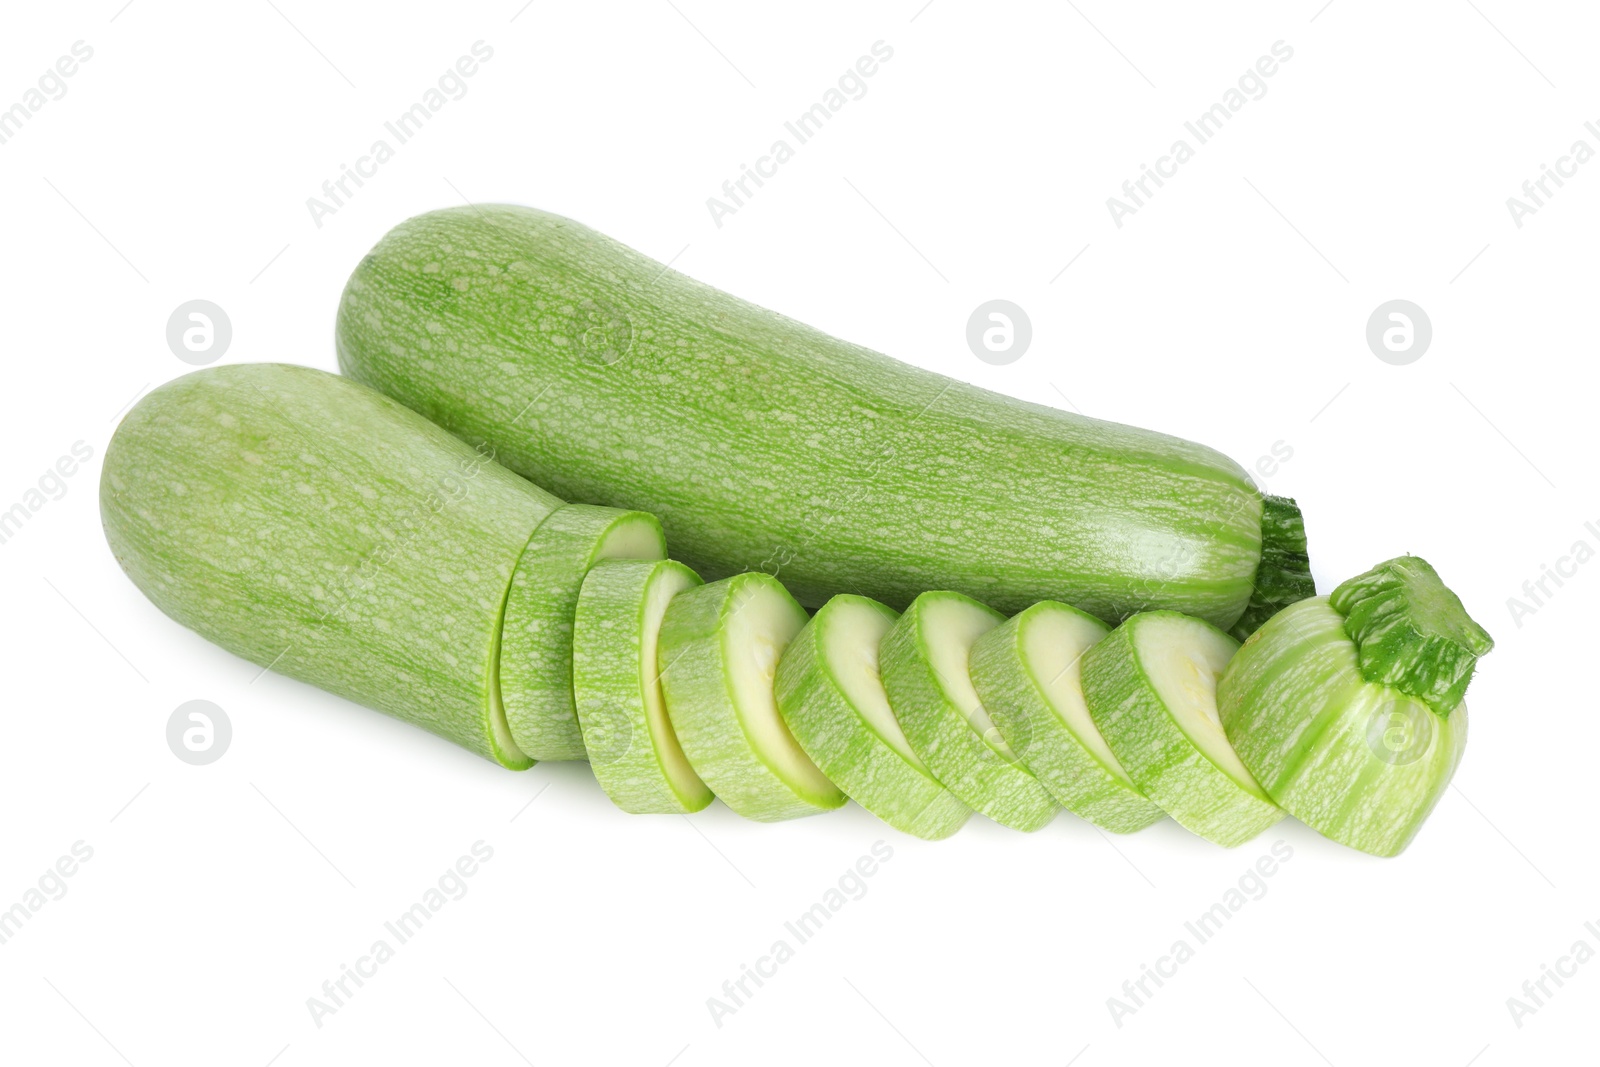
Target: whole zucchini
x,y
764,444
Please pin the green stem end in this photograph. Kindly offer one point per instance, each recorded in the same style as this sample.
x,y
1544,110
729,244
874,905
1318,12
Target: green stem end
x,y
1283,576
1411,631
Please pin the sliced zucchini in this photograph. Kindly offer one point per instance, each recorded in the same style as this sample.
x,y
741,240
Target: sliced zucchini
x,y
923,660
832,699
720,645
536,644
1026,673
626,731
1151,688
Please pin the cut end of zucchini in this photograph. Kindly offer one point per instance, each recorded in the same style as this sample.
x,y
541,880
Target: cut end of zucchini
x,y
535,653
1284,575
1412,633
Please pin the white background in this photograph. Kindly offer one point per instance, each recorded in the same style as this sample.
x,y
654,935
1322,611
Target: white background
x,y
1231,309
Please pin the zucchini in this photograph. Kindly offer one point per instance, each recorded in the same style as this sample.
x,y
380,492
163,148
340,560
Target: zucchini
x,y
1349,708
536,643
1151,689
316,527
766,445
832,698
1026,674
632,749
924,663
719,650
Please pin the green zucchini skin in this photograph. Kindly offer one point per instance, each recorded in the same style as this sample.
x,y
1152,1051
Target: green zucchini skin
x,y
633,751
842,742
1164,764
697,661
945,734
307,523
1360,762
536,641
764,444
1019,702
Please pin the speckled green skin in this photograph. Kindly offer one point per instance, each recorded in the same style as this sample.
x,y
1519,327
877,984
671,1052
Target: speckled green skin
x,y
764,444
1016,699
536,642
1160,758
696,676
841,741
609,678
1359,762
303,521
942,736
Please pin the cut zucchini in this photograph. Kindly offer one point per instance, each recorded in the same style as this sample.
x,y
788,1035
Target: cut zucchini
x,y
626,731
832,699
319,529
720,645
1026,673
1348,708
1151,689
536,643
923,660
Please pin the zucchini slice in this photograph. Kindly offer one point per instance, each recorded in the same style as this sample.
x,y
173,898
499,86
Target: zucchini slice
x,y
626,732
536,643
832,698
923,660
1026,673
720,646
1151,689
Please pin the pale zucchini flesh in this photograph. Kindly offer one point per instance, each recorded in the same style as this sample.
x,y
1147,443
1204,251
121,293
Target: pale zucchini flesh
x,y
923,661
1150,686
1026,673
536,642
632,749
316,527
763,443
831,696
719,653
